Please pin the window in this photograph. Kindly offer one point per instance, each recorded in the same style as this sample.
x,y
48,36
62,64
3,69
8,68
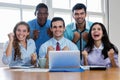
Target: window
x,y
8,18
28,14
96,7
31,2
63,8
95,18
73,2
11,1
13,11
63,4
66,17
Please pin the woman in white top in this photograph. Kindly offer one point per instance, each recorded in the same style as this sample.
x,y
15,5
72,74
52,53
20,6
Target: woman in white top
x,y
99,51
19,50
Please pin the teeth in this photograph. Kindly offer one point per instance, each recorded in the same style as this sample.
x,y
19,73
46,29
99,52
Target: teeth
x,y
21,36
57,32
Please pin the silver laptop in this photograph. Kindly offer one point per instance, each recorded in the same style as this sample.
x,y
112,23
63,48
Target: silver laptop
x,y
64,59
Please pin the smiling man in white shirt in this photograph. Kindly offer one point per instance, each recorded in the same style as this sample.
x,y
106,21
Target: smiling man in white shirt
x,y
57,28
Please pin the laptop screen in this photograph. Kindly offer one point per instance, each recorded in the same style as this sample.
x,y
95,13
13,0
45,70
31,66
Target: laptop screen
x,y
64,59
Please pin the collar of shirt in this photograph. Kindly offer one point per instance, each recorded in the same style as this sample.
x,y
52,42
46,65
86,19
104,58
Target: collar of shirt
x,y
28,43
47,24
61,41
86,27
100,47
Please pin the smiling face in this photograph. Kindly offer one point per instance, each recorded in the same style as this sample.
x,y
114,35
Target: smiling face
x,y
97,32
79,16
22,32
57,29
42,15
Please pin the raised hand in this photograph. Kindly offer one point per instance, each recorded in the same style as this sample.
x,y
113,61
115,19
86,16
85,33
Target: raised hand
x,y
76,37
49,32
50,48
85,55
111,57
85,36
33,58
65,48
35,34
11,36
111,54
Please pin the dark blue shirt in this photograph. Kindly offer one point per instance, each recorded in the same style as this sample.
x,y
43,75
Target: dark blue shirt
x,y
43,36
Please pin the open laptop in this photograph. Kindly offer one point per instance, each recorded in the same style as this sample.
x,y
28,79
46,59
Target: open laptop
x,y
64,60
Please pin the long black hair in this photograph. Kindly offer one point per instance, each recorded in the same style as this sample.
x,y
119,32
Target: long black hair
x,y
105,40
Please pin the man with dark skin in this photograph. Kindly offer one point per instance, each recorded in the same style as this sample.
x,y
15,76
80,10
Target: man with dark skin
x,y
40,25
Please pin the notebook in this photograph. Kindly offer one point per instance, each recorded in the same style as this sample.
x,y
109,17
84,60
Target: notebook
x,y
21,67
94,67
64,61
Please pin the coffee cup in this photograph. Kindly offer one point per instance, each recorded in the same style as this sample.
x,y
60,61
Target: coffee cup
x,y
42,62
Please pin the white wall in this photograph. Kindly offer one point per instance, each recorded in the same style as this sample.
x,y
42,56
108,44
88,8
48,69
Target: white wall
x,y
1,54
114,23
